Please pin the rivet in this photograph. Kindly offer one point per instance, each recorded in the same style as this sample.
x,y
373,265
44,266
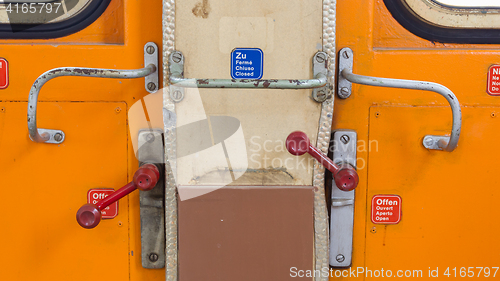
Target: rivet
x,y
58,137
151,86
344,93
177,96
319,96
150,137
150,50
153,257
345,139
177,57
429,141
321,57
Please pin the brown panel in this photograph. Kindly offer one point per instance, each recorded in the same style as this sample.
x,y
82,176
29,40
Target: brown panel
x,y
246,233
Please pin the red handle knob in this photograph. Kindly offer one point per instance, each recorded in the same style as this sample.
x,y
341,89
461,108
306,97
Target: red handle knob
x,y
346,178
145,178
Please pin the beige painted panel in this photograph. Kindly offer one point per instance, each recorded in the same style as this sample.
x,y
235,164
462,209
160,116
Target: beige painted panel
x,y
289,32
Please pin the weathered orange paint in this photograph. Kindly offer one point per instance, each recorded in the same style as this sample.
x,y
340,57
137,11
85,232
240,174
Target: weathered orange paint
x,y
45,184
42,241
449,216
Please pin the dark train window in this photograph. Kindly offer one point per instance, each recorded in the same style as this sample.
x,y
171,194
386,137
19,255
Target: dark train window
x,y
43,19
449,21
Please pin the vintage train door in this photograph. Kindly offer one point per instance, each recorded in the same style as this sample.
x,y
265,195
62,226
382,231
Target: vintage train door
x,y
243,76
447,199
44,184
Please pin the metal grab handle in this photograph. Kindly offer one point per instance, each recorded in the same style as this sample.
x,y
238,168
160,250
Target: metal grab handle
x,y
318,82
58,136
346,77
176,64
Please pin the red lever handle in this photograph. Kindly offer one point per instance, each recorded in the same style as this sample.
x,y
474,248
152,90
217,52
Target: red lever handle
x,y
346,178
145,178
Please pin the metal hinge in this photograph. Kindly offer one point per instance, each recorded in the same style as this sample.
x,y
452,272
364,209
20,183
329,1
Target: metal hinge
x,y
344,145
152,212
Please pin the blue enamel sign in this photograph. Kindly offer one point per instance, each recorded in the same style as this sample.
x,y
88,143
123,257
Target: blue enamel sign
x,y
247,63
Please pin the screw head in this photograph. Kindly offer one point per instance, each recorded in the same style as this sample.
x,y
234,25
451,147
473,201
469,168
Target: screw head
x,y
344,93
58,137
320,96
177,57
340,258
150,137
153,257
345,54
321,57
150,50
428,141
151,86
345,139
177,96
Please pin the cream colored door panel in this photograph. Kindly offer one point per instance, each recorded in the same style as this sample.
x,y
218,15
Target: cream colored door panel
x,y
254,122
289,34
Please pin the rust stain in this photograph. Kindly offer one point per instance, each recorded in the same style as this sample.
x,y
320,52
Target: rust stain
x,y
202,9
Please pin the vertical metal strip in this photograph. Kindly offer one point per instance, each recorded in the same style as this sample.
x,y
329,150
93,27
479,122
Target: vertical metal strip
x,y
169,121
321,229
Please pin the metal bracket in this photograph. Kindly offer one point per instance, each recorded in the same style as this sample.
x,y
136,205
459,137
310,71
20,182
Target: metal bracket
x,y
319,83
342,206
320,68
176,67
346,61
152,202
151,57
435,142
53,136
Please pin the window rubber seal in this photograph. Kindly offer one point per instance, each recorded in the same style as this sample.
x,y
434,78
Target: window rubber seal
x,y
55,30
421,28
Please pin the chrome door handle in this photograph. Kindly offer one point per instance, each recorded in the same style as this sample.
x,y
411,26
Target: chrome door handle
x,y
318,83
58,136
346,77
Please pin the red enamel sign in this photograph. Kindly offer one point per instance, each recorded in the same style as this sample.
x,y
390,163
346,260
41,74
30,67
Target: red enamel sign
x,y
96,195
386,209
494,80
4,73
